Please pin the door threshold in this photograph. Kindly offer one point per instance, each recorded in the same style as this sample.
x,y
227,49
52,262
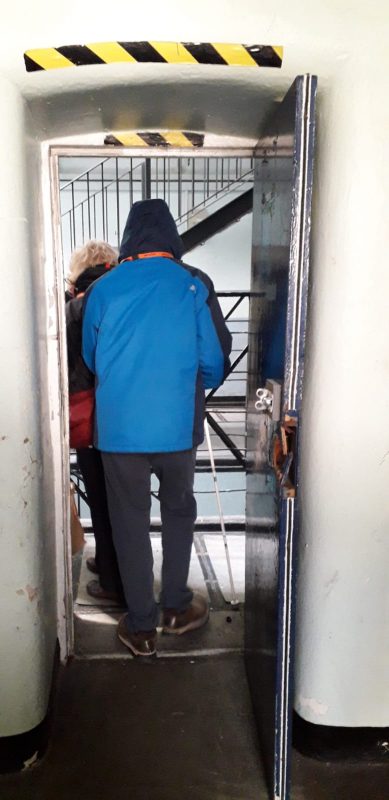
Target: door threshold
x,y
96,636
161,654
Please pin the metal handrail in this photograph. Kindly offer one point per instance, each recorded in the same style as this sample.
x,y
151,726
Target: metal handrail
x,y
91,196
213,197
162,178
87,171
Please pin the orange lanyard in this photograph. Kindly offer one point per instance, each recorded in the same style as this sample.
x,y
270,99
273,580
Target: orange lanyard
x,y
147,255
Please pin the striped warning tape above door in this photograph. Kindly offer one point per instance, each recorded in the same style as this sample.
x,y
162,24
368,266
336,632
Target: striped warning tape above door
x,y
153,139
242,55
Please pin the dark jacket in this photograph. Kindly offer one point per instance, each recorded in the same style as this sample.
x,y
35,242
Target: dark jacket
x,y
155,337
80,377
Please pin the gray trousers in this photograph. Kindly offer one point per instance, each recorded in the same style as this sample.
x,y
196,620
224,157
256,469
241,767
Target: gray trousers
x,y
128,481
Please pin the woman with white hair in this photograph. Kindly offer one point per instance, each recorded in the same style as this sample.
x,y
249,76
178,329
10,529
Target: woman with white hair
x,y
88,264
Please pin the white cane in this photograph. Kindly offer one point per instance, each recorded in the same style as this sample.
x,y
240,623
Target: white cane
x,y
234,599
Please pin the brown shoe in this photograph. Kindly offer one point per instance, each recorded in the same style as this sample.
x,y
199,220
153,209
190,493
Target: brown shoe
x,y
141,643
194,617
92,566
95,590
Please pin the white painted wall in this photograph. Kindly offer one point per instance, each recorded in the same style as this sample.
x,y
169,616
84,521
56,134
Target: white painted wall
x,y
227,256
27,532
341,657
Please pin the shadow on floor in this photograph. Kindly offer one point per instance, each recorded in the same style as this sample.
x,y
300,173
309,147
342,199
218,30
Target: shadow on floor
x,y
169,730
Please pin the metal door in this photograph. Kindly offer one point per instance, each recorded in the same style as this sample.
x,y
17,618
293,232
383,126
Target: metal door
x,y
280,261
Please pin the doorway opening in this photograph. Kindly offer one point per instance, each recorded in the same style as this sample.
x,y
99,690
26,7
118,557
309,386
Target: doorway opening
x,y
210,197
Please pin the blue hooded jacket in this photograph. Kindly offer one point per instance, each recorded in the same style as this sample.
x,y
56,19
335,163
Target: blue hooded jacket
x,y
155,338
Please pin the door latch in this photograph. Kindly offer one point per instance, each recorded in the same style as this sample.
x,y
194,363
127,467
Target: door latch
x,y
265,400
269,399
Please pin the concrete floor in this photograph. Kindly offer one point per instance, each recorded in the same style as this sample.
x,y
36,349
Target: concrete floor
x,y
317,780
168,730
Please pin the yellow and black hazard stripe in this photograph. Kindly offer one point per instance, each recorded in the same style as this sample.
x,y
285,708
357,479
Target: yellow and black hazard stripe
x,y
242,55
153,139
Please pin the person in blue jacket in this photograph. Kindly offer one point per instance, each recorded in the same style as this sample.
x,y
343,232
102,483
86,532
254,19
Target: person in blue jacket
x,y
155,338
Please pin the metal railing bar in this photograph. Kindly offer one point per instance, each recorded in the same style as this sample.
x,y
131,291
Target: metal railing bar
x,y
131,173
221,491
96,166
70,230
193,184
88,200
235,306
94,212
236,293
81,494
210,197
198,181
235,451
106,214
235,364
102,197
216,410
111,183
122,179
223,451
117,204
83,177
74,223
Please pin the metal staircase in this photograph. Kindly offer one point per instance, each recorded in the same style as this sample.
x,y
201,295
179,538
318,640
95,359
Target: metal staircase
x,y
221,218
203,194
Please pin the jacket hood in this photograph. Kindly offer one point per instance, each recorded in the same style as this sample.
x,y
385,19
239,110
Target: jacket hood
x,y
150,228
